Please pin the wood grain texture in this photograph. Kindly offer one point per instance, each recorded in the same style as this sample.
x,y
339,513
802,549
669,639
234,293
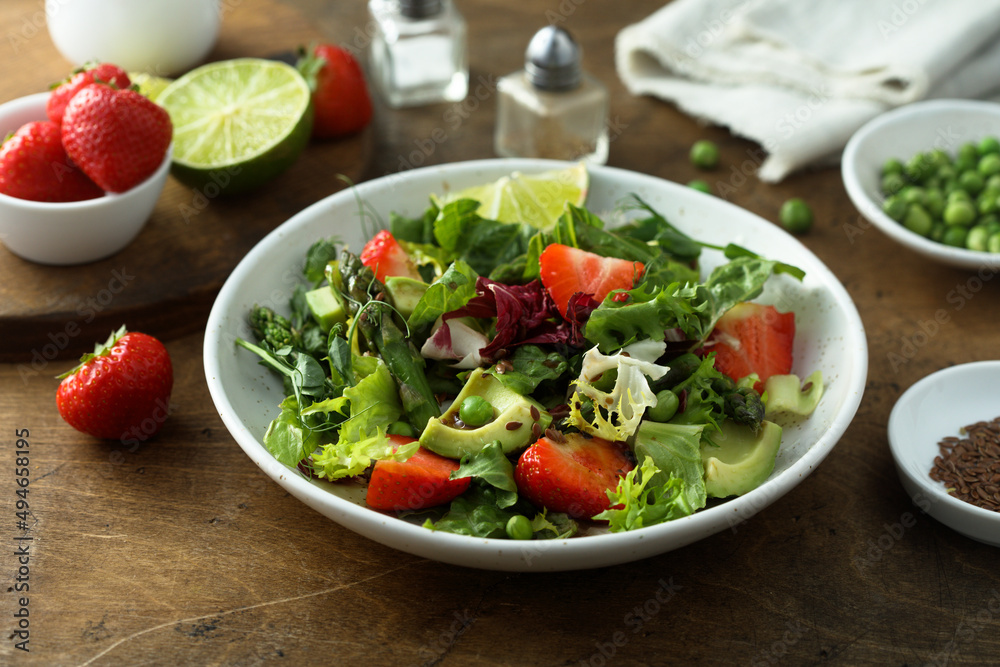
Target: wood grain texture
x,y
183,553
165,281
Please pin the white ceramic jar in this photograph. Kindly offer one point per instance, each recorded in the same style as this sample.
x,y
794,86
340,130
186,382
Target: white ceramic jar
x,y
161,37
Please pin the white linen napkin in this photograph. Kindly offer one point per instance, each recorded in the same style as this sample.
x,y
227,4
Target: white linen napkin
x,y
800,76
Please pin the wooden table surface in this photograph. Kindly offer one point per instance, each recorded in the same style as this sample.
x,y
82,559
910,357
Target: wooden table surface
x,y
183,552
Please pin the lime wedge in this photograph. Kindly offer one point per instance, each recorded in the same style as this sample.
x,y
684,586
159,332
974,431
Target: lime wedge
x,y
149,85
536,199
237,123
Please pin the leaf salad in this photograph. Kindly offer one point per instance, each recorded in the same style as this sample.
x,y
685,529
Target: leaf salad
x,y
441,339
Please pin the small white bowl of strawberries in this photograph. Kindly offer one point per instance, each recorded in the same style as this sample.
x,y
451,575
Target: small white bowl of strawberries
x,y
82,167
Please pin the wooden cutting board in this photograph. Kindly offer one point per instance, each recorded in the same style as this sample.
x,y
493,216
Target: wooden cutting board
x,y
165,281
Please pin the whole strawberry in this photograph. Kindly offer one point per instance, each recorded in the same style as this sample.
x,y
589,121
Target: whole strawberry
x,y
34,165
55,108
117,137
341,103
121,390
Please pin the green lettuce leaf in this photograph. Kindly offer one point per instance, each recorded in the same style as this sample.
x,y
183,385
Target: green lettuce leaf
x,y
374,399
287,438
675,450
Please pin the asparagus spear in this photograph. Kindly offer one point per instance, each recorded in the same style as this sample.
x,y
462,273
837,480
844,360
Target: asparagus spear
x,y
375,319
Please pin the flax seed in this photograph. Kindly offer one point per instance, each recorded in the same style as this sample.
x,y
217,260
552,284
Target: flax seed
x,y
969,467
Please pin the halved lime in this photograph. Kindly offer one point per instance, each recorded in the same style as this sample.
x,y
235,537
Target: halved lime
x,y
537,199
237,123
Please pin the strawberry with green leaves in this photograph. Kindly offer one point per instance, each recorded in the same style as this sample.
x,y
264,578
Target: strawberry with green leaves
x,y
120,390
572,472
341,102
423,480
117,137
62,93
34,165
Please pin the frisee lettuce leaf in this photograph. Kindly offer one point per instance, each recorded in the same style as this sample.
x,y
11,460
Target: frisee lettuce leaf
x,y
348,459
374,399
644,500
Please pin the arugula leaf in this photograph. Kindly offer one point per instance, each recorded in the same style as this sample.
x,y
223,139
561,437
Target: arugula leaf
x,y
484,244
732,251
492,466
645,502
449,292
454,223
476,512
414,230
657,228
320,253
532,365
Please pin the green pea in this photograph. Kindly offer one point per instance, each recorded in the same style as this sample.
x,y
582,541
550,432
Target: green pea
x,y
988,146
992,223
519,528
934,202
959,213
917,167
959,195
938,159
894,207
977,238
796,216
947,173
704,154
892,166
971,181
986,203
666,406
937,232
993,182
968,151
918,220
893,183
955,236
475,411
700,185
993,244
913,194
402,428
989,165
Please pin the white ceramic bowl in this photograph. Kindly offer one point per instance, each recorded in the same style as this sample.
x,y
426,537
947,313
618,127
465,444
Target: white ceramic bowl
x,y
830,339
934,408
901,134
72,232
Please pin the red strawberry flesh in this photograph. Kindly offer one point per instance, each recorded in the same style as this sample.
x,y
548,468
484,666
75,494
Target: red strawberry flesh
x,y
566,271
752,338
421,481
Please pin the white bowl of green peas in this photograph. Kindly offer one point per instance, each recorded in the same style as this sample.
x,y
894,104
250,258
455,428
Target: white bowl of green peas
x,y
928,175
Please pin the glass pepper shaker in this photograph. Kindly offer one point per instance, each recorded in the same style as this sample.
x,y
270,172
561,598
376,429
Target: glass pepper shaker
x,y
552,108
418,51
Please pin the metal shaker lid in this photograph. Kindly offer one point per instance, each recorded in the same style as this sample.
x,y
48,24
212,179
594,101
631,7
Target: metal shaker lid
x,y
552,60
419,9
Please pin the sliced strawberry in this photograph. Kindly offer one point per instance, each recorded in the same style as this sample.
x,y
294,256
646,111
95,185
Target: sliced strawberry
x,y
423,480
383,255
571,473
752,338
566,271
55,108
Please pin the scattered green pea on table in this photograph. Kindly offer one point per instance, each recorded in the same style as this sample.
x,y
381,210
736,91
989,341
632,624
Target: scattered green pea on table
x,y
954,200
704,154
796,216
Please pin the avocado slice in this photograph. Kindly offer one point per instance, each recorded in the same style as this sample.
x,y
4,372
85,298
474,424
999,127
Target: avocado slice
x,y
739,460
513,423
327,306
405,293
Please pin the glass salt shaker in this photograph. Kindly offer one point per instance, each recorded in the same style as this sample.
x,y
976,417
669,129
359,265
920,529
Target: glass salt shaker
x,y
418,51
552,108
